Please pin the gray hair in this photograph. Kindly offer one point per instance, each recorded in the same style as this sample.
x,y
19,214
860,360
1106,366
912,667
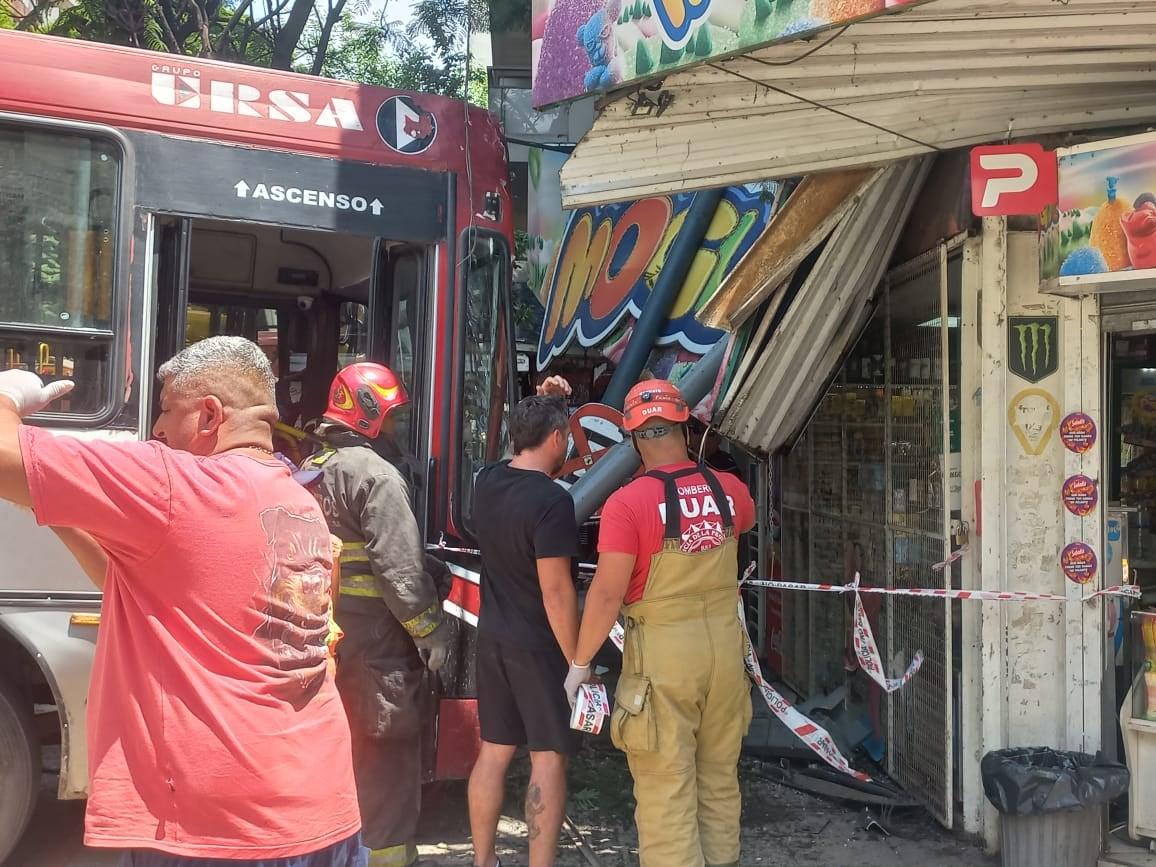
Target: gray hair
x,y
223,362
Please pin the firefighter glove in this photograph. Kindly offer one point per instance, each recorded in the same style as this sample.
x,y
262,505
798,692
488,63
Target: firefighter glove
x,y
28,391
578,675
435,647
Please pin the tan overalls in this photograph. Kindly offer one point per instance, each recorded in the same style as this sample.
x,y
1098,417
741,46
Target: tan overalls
x,y
683,703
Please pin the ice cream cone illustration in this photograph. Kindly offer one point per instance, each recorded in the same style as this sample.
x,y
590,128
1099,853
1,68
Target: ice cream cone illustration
x,y
1107,231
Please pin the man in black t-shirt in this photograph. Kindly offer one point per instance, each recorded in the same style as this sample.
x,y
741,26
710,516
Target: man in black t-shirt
x,y
527,628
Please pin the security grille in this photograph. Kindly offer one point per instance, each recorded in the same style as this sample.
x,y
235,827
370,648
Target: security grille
x,y
865,489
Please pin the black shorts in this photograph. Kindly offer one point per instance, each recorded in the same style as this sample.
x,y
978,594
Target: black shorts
x,y
521,700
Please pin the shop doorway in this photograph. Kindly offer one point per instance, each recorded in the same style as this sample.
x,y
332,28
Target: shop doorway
x,y
1129,420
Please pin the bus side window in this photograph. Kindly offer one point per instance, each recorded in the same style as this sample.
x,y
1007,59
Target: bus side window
x,y
487,374
59,222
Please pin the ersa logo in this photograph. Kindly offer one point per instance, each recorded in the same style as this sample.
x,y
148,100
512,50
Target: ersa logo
x,y
1013,180
405,126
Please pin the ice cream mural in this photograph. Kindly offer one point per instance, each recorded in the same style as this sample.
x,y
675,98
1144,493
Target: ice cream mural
x,y
610,256
583,46
1105,220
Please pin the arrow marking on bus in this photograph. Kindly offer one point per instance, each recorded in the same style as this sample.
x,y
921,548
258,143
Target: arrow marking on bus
x,y
305,197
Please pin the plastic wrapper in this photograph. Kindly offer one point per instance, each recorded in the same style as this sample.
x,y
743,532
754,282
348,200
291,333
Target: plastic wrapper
x,y
1039,780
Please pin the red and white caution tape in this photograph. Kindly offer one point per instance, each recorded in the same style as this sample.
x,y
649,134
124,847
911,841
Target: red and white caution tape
x,y
811,733
942,593
867,652
591,707
943,564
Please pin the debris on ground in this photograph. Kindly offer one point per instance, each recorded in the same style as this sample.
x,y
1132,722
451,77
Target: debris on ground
x,y
782,827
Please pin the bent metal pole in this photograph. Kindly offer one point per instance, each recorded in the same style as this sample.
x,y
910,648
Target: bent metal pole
x,y
620,462
656,310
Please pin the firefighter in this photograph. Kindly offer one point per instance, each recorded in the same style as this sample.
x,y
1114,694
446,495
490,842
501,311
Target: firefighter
x,y
388,605
668,558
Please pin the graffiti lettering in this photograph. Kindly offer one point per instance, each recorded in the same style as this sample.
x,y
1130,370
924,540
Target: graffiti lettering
x,y
578,261
678,17
636,238
610,257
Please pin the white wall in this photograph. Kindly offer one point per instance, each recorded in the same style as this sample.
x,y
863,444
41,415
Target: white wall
x,y
1031,669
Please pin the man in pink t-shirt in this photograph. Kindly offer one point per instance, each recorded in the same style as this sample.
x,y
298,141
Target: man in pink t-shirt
x,y
215,732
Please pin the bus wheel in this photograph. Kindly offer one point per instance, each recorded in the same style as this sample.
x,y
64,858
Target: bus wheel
x,y
19,768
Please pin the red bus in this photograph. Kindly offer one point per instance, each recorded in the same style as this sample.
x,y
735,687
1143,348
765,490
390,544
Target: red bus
x,y
148,200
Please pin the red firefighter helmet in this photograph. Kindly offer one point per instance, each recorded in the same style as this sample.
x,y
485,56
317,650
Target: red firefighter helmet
x,y
362,395
654,398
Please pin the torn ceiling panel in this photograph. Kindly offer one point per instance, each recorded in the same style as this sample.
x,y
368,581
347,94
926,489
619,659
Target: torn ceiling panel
x,y
810,213
773,401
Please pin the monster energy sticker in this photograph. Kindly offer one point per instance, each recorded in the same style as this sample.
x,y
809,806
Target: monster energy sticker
x,y
1033,346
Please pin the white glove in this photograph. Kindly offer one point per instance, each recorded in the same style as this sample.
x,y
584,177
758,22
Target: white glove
x,y
28,391
436,646
578,675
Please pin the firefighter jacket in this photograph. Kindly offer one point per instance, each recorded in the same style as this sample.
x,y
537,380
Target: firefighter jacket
x,y
366,502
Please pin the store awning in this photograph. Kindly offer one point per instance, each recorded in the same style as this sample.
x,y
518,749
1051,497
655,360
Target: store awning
x,y
781,377
942,75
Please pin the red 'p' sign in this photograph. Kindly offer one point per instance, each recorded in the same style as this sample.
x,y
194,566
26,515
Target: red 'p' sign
x,y
1013,180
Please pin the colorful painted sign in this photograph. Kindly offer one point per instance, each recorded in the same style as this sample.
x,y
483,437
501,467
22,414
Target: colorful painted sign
x,y
1078,433
1102,233
1080,495
610,257
591,46
1078,562
1033,351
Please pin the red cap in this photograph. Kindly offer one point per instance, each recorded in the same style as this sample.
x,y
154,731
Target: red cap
x,y
654,398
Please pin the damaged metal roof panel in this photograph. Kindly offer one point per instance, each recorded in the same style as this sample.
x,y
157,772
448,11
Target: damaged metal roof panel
x,y
770,405
809,215
942,75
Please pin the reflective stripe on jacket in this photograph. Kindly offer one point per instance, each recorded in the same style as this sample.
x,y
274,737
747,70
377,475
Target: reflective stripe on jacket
x,y
366,502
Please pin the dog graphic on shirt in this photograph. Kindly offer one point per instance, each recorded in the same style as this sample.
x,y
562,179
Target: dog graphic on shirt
x,y
294,597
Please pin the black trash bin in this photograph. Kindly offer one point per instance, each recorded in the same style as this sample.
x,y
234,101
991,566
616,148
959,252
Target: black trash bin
x,y
1051,804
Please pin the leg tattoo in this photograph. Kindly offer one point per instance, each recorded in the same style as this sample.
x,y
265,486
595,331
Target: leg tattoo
x,y
534,809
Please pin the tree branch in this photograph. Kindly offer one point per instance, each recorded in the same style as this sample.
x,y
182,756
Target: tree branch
x,y
167,19
35,15
288,37
226,34
202,20
326,35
